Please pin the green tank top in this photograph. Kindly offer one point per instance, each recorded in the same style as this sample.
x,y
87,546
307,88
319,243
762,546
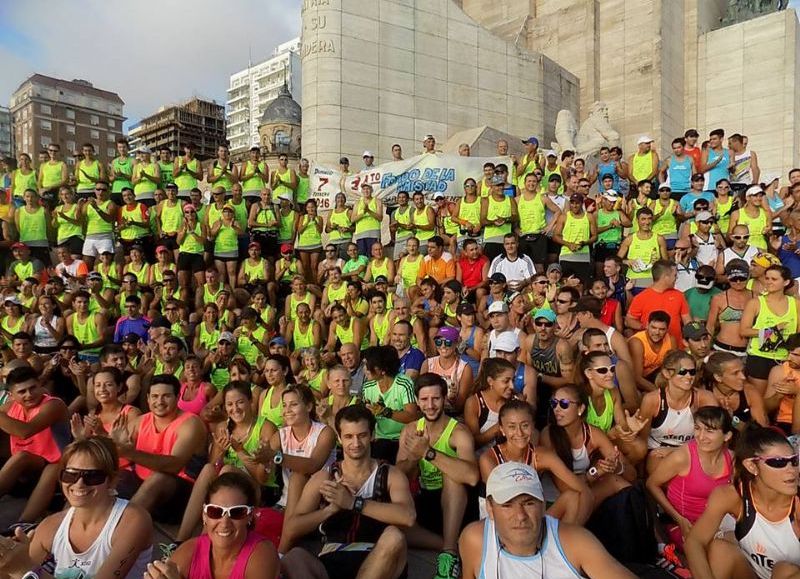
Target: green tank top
x,y
23,270
104,272
166,173
214,214
246,345
403,217
430,477
315,383
336,294
159,369
191,244
226,241
756,226
264,216
381,329
256,182
65,229
208,339
646,250
145,187
225,182
272,413
635,205
528,167
267,314
12,329
308,236
32,226
450,226
341,219
158,275
421,218
286,226
347,335
605,420
250,446
171,217
294,302
378,270
123,296
409,271
282,189
368,224
303,184
240,213
23,182
184,180
141,274
96,225
766,318
666,225
300,339
610,236
92,170
51,174
576,230
290,271
546,178
531,215
642,166
208,296
122,167
130,232
470,212
86,333
496,210
724,214
254,273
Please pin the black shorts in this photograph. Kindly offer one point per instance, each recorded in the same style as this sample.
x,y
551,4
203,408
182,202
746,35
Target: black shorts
x,y
552,247
492,249
226,259
146,243
385,449
534,246
192,262
346,564
268,240
429,510
74,244
758,367
603,251
169,241
583,269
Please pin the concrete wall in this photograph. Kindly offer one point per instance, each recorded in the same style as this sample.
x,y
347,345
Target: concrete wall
x,y
376,72
748,83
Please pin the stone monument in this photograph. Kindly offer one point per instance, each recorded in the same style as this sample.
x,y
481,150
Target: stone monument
x,y
595,132
279,130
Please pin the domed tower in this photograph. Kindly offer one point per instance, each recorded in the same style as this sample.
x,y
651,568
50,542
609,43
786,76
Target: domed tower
x,y
279,130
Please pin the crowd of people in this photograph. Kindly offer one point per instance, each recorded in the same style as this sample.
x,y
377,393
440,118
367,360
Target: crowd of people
x,y
572,369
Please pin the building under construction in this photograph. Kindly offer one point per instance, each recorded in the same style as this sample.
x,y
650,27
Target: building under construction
x,y
196,121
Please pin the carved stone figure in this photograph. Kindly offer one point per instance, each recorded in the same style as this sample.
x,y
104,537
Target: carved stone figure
x,y
595,132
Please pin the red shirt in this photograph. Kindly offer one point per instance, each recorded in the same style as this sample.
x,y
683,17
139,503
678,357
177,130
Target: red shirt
x,y
609,310
472,272
670,301
694,153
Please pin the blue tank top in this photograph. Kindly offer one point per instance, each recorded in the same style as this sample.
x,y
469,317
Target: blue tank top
x,y
519,378
470,343
680,174
720,171
609,168
789,258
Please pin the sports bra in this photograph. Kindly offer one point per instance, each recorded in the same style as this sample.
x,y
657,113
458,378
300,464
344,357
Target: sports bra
x,y
729,313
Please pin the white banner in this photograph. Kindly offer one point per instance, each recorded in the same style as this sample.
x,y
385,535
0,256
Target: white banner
x,y
429,173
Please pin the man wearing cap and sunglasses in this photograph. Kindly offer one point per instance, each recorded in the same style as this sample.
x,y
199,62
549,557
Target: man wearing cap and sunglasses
x,y
644,162
756,215
519,540
706,244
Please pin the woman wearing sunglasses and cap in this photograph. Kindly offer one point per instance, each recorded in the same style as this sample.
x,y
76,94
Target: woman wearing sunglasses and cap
x,y
763,501
448,364
726,309
228,547
100,535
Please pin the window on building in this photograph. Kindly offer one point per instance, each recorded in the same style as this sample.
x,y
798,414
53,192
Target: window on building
x,y
94,135
45,141
45,109
70,129
94,120
71,146
282,141
45,125
112,123
111,153
70,114
110,137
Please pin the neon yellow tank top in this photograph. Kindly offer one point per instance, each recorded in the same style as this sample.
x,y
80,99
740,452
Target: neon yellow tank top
x,y
145,187
756,226
51,174
666,224
130,232
254,273
190,243
94,223
724,214
32,226
282,189
92,170
86,332
381,329
23,182
642,166
308,236
766,318
496,210
226,241
141,274
294,302
430,477
302,339
645,249
272,413
256,182
225,181
470,212
531,214
286,226
368,223
303,184
122,167
336,294
171,217
65,230
576,230
421,218
378,270
341,219
184,180
409,270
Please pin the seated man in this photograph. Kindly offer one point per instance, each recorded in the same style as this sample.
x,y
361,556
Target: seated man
x,y
160,443
411,358
133,322
442,453
365,503
23,266
518,540
649,348
38,427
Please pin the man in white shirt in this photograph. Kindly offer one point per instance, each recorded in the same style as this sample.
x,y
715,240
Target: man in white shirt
x,y
518,269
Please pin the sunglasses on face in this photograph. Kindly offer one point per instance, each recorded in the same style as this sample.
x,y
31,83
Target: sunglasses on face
x,y
539,324
739,237
237,512
706,222
703,279
439,342
737,279
91,477
778,461
562,403
686,372
564,301
605,369
541,282
100,189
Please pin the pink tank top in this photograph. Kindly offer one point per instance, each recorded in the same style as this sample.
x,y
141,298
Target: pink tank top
x,y
124,463
195,405
154,442
200,567
43,443
689,494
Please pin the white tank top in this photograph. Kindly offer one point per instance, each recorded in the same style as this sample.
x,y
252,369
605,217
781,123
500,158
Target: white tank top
x,y
548,563
72,565
41,337
706,250
728,255
293,447
671,428
610,332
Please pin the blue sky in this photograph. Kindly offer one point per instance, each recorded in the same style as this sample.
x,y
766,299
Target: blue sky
x,y
151,52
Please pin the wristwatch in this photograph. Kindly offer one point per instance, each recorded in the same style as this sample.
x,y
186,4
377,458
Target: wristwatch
x,y
387,412
430,454
358,504
33,574
278,458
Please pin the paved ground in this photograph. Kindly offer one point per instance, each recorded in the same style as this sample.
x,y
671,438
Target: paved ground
x,y
421,563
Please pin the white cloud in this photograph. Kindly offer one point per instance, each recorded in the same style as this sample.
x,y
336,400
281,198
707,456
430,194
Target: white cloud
x,y
150,52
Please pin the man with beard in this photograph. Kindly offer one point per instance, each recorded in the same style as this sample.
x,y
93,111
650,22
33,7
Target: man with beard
x,y
442,453
365,503
161,444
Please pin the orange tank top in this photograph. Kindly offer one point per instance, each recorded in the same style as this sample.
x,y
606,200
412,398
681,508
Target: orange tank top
x,y
154,442
652,360
43,443
785,412
124,463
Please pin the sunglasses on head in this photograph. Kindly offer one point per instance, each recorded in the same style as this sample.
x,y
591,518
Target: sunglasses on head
x,y
91,477
237,512
778,461
438,342
605,369
686,371
562,403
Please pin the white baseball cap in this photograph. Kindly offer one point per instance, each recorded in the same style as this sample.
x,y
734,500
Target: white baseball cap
x,y
511,479
753,190
367,154
551,153
506,342
610,194
644,139
498,307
